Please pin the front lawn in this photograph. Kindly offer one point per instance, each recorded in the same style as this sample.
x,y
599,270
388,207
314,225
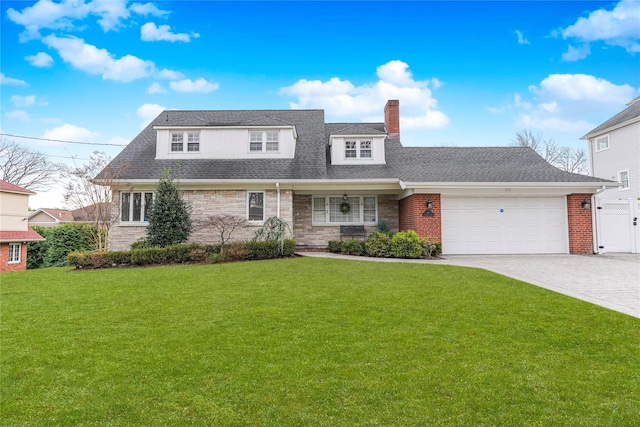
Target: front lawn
x,y
309,342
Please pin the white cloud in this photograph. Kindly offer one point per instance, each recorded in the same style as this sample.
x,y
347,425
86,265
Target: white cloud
x,y
93,60
575,54
146,9
18,115
169,74
148,112
571,103
23,101
68,132
46,14
521,38
617,27
156,88
40,59
4,80
341,98
198,86
151,33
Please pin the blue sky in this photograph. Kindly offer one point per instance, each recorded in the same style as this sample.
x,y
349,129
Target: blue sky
x,y
466,73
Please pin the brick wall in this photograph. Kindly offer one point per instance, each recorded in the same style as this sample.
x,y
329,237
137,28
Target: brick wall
x,y
5,266
207,203
412,218
580,225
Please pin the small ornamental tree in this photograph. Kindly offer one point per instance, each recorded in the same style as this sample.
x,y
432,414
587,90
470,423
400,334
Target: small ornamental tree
x,y
169,216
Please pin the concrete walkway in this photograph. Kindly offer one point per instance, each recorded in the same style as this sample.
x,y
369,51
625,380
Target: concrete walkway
x,y
610,280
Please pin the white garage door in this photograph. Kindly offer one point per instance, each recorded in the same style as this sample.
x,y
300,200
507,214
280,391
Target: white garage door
x,y
504,225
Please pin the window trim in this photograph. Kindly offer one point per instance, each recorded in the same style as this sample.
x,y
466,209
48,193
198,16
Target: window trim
x,y
264,141
185,141
264,203
621,187
13,252
143,207
327,214
358,149
595,141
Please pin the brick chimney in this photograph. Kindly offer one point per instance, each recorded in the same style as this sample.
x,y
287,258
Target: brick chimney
x,y
392,118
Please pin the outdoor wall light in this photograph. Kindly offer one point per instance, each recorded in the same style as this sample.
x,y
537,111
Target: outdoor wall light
x,y
428,212
345,198
586,204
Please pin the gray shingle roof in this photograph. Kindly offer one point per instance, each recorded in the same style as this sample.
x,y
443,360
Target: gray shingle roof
x,y
309,161
460,164
629,113
411,164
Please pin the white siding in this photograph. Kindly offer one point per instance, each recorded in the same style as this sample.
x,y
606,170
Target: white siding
x,y
623,154
338,151
225,144
15,208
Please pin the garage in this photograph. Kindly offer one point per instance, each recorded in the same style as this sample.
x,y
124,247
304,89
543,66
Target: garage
x,y
504,225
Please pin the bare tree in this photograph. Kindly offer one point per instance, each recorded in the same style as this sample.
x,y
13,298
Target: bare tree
x,y
225,225
576,162
564,158
25,167
94,201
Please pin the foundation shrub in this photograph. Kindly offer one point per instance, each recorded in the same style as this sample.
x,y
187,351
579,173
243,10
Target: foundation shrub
x,y
335,246
406,244
352,247
378,244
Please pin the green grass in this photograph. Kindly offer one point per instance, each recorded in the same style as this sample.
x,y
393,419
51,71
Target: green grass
x,y
309,342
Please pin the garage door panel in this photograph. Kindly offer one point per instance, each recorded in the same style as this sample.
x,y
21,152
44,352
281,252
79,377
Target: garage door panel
x,y
503,225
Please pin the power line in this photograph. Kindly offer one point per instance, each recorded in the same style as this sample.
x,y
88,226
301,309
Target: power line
x,y
62,140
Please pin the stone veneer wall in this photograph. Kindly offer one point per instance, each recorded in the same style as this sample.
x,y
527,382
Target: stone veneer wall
x,y
310,236
205,203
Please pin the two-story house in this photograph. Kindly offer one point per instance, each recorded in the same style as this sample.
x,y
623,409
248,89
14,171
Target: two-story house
x,y
318,176
614,153
14,229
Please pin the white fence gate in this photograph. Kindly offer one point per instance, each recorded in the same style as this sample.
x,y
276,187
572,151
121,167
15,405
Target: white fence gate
x,y
617,228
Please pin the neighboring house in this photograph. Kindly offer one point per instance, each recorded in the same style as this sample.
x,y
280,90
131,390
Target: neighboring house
x,y
46,217
14,228
318,176
614,153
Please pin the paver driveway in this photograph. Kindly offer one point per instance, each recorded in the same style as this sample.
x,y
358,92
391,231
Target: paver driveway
x,y
610,280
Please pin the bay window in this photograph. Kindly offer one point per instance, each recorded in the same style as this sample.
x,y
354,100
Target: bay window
x,y
341,210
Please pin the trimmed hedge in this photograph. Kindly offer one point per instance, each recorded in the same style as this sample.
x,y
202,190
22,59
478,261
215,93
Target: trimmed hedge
x,y
378,244
335,246
183,253
352,247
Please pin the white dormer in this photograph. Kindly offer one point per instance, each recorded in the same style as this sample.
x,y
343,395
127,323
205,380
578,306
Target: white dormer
x,y
226,142
357,149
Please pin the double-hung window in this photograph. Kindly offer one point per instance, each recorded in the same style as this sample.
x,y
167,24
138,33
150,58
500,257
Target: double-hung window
x,y
178,139
261,141
623,179
338,210
135,206
357,149
14,252
255,206
602,143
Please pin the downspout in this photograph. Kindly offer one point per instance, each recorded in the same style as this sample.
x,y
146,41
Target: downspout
x,y
595,223
278,199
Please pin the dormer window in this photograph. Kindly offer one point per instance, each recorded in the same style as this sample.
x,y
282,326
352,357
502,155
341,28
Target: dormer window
x,y
178,138
263,141
357,149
